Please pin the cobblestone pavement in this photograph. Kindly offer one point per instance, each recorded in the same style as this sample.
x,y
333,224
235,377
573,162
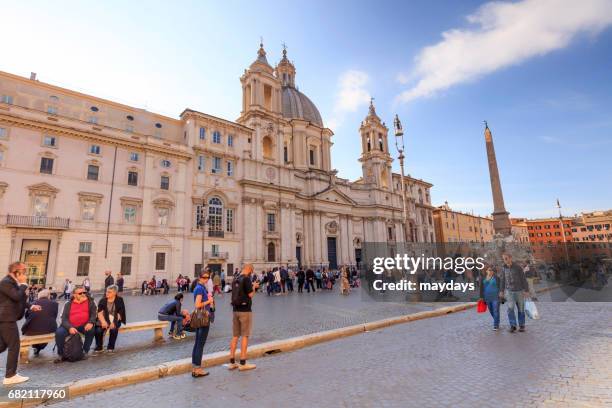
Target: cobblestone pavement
x,y
563,360
275,317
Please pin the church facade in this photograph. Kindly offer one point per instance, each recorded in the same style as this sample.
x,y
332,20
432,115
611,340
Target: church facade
x,y
89,185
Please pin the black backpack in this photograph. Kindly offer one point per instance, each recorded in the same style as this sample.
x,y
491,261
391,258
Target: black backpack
x,y
73,348
239,298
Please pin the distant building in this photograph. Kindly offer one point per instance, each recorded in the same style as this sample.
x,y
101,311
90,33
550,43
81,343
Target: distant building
x,y
456,226
548,230
593,231
520,230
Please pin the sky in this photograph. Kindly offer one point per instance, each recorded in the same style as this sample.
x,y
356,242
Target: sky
x,y
539,72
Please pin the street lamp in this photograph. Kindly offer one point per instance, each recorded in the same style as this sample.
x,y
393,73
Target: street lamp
x,y
202,224
399,144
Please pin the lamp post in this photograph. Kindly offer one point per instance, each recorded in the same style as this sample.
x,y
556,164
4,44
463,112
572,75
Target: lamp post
x,y
202,224
399,144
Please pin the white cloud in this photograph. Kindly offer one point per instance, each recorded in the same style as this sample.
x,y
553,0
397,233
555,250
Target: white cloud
x,y
350,96
506,33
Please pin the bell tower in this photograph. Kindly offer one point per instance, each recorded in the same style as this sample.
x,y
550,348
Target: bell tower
x,y
260,87
375,158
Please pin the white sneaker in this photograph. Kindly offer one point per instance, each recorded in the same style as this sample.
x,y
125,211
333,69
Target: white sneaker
x,y
16,379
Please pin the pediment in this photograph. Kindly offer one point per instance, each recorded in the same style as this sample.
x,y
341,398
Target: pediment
x,y
43,188
335,196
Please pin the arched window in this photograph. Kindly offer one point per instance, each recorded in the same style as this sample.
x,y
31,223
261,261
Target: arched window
x,y
369,144
215,217
271,252
267,148
420,196
380,142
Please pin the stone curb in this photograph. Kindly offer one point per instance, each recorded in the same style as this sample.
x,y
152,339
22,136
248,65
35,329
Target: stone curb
x,y
182,366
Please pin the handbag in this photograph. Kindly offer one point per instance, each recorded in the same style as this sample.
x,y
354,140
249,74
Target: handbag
x,y
199,318
481,307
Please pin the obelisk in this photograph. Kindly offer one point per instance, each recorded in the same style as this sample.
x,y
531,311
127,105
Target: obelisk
x,y
501,221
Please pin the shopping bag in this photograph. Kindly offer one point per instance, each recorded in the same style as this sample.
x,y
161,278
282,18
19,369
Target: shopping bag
x,y
481,307
531,310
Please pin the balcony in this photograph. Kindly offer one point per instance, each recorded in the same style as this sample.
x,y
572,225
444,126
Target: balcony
x,y
215,255
33,221
216,233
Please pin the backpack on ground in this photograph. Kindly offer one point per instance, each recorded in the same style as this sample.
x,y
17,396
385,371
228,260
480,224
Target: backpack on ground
x,y
239,298
73,348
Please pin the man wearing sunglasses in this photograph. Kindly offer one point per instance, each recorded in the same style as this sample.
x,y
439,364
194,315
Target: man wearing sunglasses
x,y
79,316
13,303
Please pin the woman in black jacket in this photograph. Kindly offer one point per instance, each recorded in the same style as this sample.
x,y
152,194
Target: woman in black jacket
x,y
111,315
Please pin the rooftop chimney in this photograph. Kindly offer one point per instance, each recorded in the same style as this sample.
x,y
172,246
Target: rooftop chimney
x,y
33,76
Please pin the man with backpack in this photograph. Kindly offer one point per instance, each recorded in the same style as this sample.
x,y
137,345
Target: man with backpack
x,y
78,316
243,291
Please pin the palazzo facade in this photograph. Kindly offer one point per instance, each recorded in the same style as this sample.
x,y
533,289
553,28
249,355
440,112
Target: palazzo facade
x,y
89,185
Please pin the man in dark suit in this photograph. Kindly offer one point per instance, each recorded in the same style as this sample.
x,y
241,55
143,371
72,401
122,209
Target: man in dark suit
x,y
109,280
13,303
42,322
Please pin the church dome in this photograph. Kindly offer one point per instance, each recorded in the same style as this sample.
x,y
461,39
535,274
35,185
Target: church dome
x,y
296,105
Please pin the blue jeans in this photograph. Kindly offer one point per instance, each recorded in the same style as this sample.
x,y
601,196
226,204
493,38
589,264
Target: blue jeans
x,y
198,346
178,320
62,333
493,307
516,298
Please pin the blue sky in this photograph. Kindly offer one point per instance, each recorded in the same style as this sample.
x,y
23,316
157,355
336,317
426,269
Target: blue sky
x,y
539,71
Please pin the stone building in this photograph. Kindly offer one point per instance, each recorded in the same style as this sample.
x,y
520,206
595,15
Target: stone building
x,y
88,185
456,226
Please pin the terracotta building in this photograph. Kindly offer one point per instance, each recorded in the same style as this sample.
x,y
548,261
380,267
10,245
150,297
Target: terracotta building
x,y
88,184
549,230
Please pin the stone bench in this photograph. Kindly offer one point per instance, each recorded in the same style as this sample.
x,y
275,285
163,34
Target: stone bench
x,y
155,325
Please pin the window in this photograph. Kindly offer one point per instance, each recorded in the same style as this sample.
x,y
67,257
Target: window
x,y
311,154
49,141
229,220
94,149
126,265
94,109
230,168
165,183
41,205
3,133
271,222
202,133
85,247
215,250
132,178
7,99
199,216
129,214
268,148
216,168
46,165
129,128
271,252
92,172
88,210
158,125
166,163
83,266
216,137
160,261
127,248
230,140
201,163
390,233
215,217
134,157
93,120
285,154
52,110
162,216
129,117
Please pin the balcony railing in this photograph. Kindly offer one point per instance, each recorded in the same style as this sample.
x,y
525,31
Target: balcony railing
x,y
215,255
215,233
34,221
